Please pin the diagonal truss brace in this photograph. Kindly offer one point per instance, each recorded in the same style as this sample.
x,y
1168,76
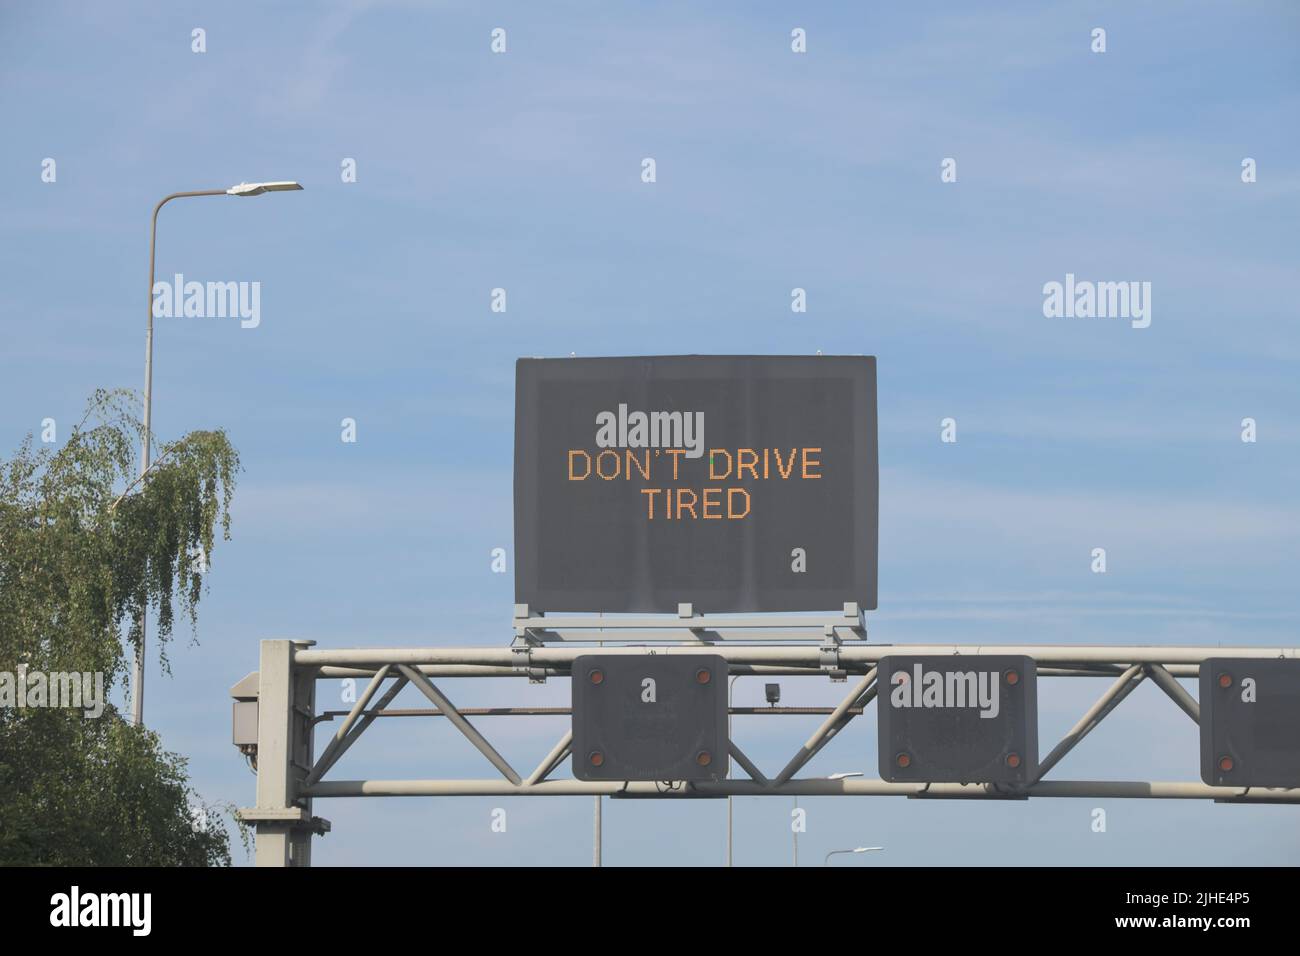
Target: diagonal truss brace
x,y
458,719
344,739
556,757
1124,685
1177,693
863,692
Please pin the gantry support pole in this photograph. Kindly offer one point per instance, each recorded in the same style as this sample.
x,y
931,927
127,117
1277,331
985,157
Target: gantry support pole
x,y
282,819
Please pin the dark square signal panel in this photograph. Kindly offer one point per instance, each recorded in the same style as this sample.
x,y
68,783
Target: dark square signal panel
x,y
649,717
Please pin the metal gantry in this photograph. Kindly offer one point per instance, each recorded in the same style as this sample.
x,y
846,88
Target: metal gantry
x,y
290,776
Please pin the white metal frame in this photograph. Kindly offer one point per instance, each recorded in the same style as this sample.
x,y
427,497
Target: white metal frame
x,y
289,778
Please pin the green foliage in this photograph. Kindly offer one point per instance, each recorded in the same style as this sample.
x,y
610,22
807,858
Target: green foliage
x,y
85,546
76,791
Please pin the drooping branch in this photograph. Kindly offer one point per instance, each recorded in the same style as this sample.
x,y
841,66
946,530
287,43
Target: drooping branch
x,y
80,559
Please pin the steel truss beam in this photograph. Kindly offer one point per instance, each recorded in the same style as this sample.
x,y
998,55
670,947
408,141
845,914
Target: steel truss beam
x,y
502,660
1129,666
298,666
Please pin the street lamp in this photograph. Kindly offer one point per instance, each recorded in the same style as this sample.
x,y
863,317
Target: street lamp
x,y
856,849
241,189
795,833
256,189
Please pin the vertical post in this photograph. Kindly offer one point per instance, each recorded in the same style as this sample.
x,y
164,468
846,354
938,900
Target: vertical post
x,y
137,696
729,826
274,734
596,861
286,705
302,713
794,831
731,690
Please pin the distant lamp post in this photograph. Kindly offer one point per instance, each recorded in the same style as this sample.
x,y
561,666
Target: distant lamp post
x,y
242,189
773,692
795,833
856,849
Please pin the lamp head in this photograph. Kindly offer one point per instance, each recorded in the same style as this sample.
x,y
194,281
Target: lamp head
x,y
256,189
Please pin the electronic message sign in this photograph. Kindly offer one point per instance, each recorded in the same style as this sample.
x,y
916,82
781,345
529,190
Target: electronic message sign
x,y
1250,722
969,718
733,483
649,717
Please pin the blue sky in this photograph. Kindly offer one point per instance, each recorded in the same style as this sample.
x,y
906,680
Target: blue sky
x,y
775,171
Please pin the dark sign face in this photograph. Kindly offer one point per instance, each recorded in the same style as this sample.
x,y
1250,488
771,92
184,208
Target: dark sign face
x,y
734,483
961,719
649,717
1250,722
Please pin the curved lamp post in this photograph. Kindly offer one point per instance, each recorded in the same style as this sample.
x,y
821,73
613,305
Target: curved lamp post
x,y
242,189
856,849
834,776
